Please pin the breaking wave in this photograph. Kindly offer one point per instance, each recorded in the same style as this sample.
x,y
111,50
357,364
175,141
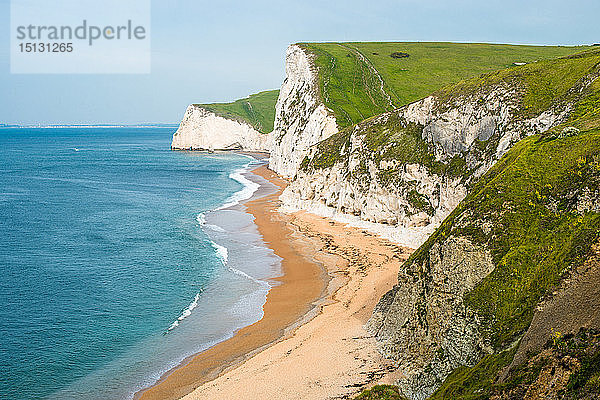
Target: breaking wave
x,y
186,312
245,193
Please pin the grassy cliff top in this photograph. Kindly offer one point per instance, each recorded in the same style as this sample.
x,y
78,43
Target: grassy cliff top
x,y
258,110
539,86
360,80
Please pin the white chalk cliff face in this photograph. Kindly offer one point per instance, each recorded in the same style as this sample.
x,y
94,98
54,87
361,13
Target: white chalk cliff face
x,y
413,199
201,129
405,208
301,119
405,202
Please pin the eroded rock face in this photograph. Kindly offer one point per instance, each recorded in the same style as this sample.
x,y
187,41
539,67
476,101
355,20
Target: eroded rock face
x,y
423,324
478,130
573,305
389,209
301,119
201,129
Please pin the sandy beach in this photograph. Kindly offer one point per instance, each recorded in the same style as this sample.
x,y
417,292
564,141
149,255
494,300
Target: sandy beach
x,y
311,343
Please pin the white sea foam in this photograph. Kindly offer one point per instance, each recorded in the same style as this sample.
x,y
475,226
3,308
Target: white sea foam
x,y
222,252
201,218
253,279
216,228
186,312
223,255
244,194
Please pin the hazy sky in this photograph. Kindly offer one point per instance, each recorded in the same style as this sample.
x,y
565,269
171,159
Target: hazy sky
x,y
219,50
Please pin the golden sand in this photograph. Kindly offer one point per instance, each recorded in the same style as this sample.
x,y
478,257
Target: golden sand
x,y
328,355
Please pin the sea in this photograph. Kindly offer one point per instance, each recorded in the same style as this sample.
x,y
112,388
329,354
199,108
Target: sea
x,y
120,258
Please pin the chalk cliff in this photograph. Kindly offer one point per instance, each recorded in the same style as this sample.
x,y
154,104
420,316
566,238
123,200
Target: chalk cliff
x,y
301,119
406,170
201,129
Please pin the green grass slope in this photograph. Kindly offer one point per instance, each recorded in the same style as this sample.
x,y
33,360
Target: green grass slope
x,y
258,110
360,80
524,210
538,235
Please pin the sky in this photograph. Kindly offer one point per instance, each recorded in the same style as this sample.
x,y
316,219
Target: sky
x,y
215,51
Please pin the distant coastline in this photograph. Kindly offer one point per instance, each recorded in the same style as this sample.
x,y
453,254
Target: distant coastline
x,y
84,126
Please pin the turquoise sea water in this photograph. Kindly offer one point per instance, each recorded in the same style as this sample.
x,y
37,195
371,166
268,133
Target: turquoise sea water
x,y
109,273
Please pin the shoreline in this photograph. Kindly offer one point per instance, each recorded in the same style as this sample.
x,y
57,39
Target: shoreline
x,y
330,355
289,302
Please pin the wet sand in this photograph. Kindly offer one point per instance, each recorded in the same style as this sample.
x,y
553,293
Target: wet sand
x,y
331,356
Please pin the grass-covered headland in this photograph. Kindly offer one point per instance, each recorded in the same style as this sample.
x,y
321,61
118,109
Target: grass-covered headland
x,y
257,110
360,80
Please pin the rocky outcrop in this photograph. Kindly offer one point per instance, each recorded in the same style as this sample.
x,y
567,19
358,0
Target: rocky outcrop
x,y
566,368
423,324
201,129
301,119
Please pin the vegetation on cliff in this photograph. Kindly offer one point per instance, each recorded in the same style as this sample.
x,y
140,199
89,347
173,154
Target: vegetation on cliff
x,y
257,110
540,206
540,86
380,392
537,87
537,211
360,80
567,368
530,211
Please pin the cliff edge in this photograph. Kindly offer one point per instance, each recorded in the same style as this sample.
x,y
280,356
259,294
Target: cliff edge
x,y
244,124
202,129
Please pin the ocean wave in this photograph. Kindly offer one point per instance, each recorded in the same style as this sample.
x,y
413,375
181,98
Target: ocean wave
x,y
245,193
201,219
222,252
186,312
223,255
